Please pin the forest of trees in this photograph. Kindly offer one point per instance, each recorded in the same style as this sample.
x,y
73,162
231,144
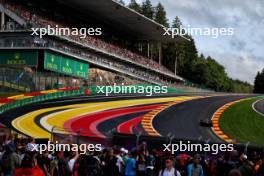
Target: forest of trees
x,y
204,71
259,82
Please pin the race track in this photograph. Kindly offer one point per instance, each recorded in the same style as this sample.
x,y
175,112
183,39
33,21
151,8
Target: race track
x,y
183,120
259,106
97,116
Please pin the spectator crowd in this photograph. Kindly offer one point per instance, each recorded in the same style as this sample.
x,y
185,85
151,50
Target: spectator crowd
x,y
18,157
42,21
38,18
42,17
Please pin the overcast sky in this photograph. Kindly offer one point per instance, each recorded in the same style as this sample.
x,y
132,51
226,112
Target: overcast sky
x,y
243,53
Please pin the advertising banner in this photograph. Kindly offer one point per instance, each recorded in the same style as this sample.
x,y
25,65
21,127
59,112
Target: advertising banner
x,y
66,65
17,58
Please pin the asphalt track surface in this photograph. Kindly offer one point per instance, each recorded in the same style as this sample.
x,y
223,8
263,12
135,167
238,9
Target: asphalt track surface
x,y
259,106
99,115
183,120
37,120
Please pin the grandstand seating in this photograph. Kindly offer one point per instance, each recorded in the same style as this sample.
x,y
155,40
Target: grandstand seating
x,y
43,20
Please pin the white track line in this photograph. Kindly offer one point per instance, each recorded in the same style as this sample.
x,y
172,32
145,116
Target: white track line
x,y
253,107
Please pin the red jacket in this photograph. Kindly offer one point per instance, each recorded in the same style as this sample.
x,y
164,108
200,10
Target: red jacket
x,y
35,171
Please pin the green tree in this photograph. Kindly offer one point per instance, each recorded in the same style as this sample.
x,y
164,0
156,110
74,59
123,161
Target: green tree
x,y
186,54
174,50
147,9
176,23
259,82
135,6
238,86
204,71
217,77
211,74
160,15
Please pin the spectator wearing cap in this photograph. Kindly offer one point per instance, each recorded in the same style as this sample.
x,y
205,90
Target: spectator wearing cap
x,y
124,154
169,169
120,162
247,167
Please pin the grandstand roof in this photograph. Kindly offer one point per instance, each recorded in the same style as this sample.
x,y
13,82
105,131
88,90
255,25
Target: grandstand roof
x,y
139,26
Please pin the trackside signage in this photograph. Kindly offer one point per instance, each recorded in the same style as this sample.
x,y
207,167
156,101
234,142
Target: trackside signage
x,y
67,66
63,64
17,58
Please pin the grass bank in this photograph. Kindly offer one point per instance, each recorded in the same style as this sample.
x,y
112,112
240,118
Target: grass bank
x,y
242,123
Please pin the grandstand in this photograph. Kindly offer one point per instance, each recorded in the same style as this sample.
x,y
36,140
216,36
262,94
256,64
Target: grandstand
x,y
124,48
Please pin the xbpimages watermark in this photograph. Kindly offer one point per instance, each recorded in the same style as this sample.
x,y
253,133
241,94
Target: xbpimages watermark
x,y
206,31
131,89
80,32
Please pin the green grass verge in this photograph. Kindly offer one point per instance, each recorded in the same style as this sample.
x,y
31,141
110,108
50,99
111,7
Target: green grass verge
x,y
242,123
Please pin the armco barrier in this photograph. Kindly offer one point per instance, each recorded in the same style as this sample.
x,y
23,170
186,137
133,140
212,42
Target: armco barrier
x,y
43,96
